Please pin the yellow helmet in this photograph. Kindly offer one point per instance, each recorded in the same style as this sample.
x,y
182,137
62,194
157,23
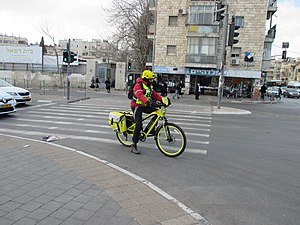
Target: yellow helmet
x,y
148,74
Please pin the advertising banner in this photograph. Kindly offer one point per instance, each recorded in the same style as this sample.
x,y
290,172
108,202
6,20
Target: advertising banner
x,y
17,54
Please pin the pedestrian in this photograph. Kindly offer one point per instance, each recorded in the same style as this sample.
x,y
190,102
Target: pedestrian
x,y
164,87
177,90
141,103
97,86
197,91
92,83
263,90
182,88
279,92
107,84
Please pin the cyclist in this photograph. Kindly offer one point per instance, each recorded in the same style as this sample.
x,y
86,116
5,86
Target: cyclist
x,y
141,103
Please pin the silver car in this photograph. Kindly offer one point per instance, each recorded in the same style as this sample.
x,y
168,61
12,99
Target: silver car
x,y
7,103
21,95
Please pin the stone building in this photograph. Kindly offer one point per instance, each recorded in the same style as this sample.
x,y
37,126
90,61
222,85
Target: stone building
x,y
188,42
13,40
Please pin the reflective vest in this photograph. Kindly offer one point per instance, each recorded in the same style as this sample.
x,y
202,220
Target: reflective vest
x,y
148,92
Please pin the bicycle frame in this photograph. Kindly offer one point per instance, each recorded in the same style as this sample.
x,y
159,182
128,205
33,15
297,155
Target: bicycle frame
x,y
155,116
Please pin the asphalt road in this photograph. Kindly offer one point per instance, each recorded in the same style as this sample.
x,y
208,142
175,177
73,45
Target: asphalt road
x,y
238,169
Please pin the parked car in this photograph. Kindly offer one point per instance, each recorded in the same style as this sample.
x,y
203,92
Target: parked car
x,y
291,93
272,91
21,95
7,103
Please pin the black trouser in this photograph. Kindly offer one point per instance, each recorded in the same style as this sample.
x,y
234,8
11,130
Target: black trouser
x,y
138,116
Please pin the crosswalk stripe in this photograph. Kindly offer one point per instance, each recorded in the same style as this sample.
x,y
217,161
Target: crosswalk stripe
x,y
86,138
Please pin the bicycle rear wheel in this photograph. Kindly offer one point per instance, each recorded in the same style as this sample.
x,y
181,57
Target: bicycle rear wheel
x,y
124,138
170,140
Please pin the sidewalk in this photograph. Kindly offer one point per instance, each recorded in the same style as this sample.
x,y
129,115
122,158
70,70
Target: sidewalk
x,y
47,184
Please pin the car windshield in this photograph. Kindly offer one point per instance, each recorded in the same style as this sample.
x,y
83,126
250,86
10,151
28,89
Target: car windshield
x,y
292,90
3,83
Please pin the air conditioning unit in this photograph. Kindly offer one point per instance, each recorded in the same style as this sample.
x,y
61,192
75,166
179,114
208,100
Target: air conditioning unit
x,y
235,61
181,11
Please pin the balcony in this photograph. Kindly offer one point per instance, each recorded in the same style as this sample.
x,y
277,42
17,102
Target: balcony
x,y
271,34
272,8
201,59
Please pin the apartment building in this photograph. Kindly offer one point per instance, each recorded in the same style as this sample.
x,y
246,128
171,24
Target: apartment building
x,y
188,42
285,70
12,40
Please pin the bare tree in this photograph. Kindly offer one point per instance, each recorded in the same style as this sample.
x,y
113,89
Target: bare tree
x,y
132,20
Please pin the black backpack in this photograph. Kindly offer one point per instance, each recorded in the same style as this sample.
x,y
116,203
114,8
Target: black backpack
x,y
131,95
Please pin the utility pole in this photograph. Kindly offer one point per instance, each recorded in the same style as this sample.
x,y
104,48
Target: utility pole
x,y
68,69
223,62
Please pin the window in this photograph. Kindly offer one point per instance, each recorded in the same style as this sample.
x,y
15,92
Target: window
x,y
236,52
173,21
239,21
201,50
201,15
171,49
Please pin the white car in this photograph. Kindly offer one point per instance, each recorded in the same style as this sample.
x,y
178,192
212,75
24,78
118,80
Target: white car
x,y
21,95
7,103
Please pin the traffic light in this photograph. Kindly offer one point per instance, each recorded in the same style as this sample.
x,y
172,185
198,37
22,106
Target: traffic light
x,y
72,57
65,57
129,65
283,55
232,33
220,11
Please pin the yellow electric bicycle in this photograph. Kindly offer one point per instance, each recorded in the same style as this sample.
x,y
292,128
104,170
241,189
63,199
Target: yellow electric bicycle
x,y
170,139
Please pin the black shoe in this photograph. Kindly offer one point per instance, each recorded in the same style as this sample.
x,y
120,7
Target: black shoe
x,y
135,150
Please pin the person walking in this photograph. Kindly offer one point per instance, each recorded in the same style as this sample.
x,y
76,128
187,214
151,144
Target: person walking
x,y
164,87
279,93
92,83
177,90
263,90
141,103
107,84
197,91
97,86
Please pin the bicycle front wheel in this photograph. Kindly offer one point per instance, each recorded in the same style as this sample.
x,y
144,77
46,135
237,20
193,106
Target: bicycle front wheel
x,y
170,140
124,138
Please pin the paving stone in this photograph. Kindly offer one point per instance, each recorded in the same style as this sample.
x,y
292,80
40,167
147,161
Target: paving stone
x,y
44,199
4,221
62,213
64,198
24,199
16,214
50,221
9,206
73,205
31,206
52,205
39,214
26,221
83,214
72,221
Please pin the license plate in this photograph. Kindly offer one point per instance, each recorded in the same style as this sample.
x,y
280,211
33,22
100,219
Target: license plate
x,y
26,97
6,106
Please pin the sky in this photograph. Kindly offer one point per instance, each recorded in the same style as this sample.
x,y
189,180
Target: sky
x,y
86,20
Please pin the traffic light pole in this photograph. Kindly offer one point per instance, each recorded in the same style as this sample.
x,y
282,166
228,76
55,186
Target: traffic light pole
x,y
221,78
68,70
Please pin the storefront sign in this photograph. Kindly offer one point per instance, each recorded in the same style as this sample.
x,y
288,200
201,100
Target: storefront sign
x,y
169,70
242,73
203,72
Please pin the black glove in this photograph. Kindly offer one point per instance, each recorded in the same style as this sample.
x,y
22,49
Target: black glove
x,y
152,104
